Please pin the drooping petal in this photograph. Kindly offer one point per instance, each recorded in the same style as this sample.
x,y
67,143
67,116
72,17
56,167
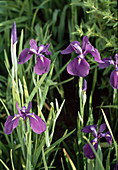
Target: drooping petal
x,y
37,124
42,65
88,152
25,55
70,48
108,137
102,127
106,62
88,129
14,33
95,53
29,106
11,123
114,79
78,67
33,45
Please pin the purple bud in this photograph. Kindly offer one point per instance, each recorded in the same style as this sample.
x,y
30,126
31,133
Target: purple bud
x,y
84,87
14,33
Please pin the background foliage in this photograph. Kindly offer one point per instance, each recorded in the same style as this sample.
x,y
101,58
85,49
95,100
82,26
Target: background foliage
x,y
57,23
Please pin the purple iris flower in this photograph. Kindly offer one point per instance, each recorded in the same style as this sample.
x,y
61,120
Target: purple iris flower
x,y
37,124
79,66
114,74
43,63
88,152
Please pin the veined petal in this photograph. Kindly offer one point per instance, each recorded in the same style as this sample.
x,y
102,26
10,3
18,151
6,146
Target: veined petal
x,y
37,124
42,65
33,45
25,55
102,127
11,123
108,137
88,129
70,48
88,152
114,79
106,62
78,67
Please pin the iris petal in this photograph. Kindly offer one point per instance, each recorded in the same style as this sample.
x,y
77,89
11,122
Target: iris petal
x,y
70,48
102,127
78,67
88,152
33,45
25,55
37,124
108,137
114,79
106,62
11,123
88,129
42,65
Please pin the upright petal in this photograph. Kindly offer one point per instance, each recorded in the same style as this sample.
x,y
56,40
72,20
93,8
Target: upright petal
x,y
42,65
78,67
33,45
102,127
114,79
84,42
106,62
18,108
11,123
37,124
89,128
25,55
70,48
88,152
45,49
108,137
29,106
14,33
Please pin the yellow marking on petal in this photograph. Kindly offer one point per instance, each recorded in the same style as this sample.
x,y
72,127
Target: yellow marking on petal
x,y
34,117
41,58
117,73
80,60
14,118
93,143
108,135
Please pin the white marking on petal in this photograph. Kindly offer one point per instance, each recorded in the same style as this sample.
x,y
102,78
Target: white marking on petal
x,y
78,47
33,50
40,49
